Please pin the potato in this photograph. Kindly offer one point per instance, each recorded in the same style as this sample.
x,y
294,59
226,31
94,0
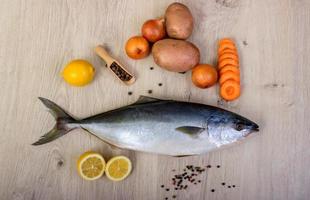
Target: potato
x,y
175,55
179,21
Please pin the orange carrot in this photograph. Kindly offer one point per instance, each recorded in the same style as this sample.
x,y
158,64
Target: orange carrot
x,y
228,61
230,90
229,68
226,40
229,75
231,51
228,55
224,46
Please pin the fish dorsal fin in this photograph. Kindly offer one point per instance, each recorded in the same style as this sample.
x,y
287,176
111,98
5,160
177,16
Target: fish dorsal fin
x,y
192,131
145,99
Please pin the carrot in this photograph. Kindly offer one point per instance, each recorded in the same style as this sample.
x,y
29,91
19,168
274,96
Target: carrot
x,y
226,40
229,75
228,68
230,90
228,65
228,61
224,46
228,55
230,51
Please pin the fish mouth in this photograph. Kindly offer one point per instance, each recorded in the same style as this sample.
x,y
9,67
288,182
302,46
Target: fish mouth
x,y
252,130
255,128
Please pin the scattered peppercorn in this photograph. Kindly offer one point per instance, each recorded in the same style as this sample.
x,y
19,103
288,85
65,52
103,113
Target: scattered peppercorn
x,y
190,175
150,91
151,68
160,84
129,93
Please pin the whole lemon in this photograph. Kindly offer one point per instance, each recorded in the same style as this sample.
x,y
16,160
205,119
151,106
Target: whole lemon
x,y
78,72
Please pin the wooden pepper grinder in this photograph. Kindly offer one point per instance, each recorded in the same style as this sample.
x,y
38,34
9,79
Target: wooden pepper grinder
x,y
115,66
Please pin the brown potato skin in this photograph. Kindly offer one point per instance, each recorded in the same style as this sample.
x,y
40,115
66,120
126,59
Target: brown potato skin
x,y
179,21
175,55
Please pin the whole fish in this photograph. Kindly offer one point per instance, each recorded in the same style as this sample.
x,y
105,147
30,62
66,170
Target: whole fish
x,y
157,126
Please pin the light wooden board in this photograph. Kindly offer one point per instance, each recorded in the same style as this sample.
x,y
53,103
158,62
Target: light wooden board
x,y
37,38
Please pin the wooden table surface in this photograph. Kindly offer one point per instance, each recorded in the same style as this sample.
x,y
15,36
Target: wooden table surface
x,y
37,38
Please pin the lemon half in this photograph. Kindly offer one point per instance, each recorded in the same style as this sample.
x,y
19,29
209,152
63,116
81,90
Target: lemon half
x,y
118,168
91,165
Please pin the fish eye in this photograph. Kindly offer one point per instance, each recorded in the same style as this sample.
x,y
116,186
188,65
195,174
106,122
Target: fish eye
x,y
239,127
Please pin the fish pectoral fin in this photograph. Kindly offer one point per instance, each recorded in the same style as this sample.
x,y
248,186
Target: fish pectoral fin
x,y
192,131
145,99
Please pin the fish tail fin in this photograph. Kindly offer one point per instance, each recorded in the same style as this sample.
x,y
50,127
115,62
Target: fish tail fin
x,y
64,123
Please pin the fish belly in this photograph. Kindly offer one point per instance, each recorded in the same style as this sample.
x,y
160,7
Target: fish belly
x,y
159,137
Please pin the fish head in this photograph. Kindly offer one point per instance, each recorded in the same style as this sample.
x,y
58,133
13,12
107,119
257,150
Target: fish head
x,y
228,129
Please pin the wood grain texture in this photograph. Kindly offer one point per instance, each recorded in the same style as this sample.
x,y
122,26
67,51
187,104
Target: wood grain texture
x,y
37,38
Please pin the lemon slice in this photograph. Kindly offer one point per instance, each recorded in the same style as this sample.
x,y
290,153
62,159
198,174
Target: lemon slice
x,y
91,165
118,168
